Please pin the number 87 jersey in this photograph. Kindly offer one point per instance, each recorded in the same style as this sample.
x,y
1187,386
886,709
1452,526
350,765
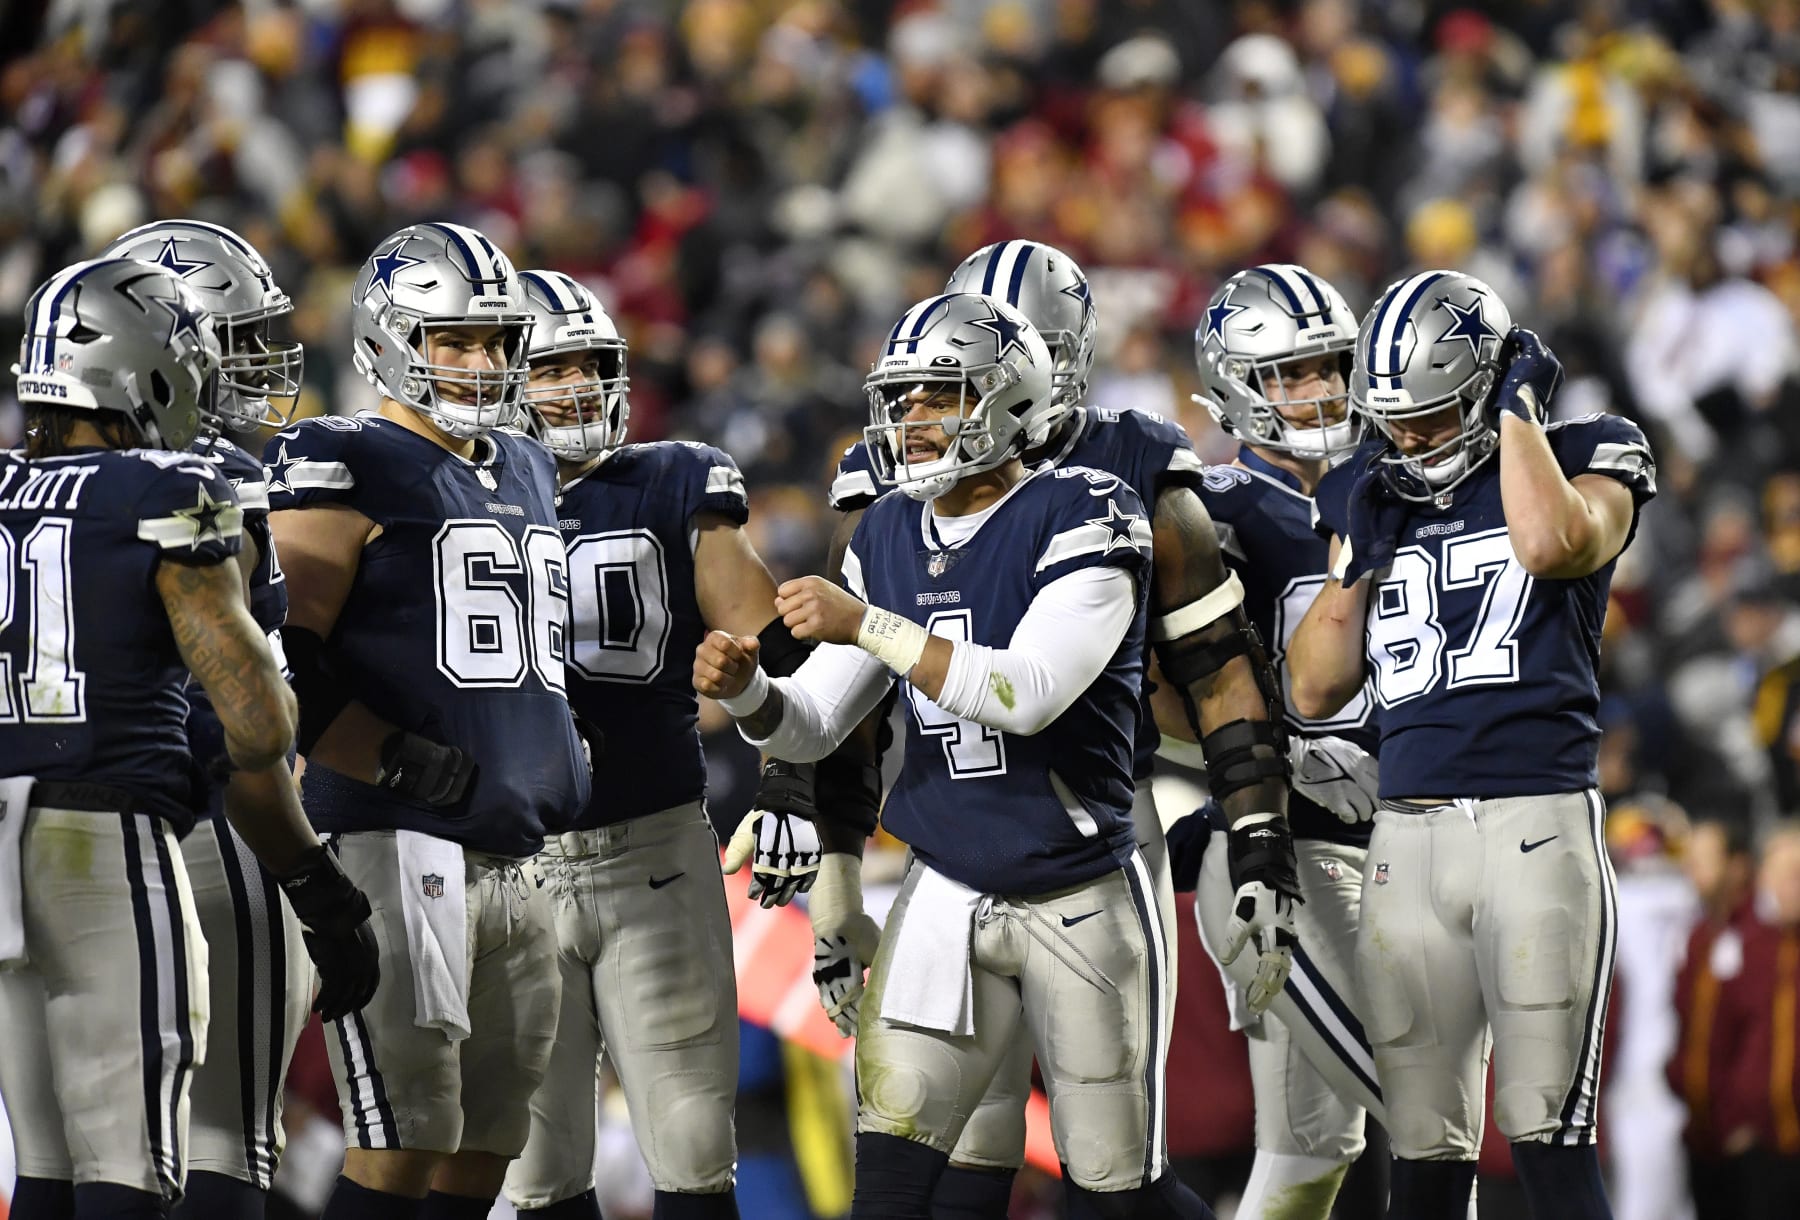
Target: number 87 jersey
x,y
1486,676
454,624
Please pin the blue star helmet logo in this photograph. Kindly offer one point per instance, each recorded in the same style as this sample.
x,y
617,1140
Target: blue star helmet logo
x,y
1079,290
1006,331
387,266
1217,316
171,258
1469,326
1118,525
184,318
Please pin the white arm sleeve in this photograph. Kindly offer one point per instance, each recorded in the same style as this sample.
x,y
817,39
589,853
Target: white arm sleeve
x,y
1068,635
823,700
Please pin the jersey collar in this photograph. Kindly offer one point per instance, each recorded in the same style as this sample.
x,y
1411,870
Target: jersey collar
x,y
928,527
1261,467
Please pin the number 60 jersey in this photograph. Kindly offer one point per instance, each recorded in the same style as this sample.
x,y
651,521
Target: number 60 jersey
x,y
454,627
1486,676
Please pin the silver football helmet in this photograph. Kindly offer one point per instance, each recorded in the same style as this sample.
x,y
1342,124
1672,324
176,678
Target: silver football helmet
x,y
999,367
235,284
1049,288
1258,321
430,277
590,414
1435,340
126,337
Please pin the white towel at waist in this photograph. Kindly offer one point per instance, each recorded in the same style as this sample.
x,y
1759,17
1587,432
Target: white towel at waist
x,y
929,982
15,802
434,900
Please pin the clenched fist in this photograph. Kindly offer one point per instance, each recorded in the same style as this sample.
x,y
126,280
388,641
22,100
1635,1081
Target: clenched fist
x,y
816,609
724,663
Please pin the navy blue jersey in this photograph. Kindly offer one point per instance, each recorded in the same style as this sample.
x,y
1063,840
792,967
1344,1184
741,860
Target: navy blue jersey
x,y
268,605
628,526
1143,450
1264,522
982,806
1486,676
454,624
90,677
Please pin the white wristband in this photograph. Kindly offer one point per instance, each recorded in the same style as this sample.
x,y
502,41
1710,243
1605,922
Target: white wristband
x,y
752,698
894,640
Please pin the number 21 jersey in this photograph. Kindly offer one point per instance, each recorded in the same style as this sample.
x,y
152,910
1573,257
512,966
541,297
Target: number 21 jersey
x,y
454,625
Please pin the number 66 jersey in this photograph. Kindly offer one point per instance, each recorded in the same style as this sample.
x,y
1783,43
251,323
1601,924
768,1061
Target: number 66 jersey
x,y
1478,665
454,626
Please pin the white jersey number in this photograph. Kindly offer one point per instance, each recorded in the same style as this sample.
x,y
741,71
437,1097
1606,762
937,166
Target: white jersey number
x,y
51,690
621,600
488,635
974,751
1407,645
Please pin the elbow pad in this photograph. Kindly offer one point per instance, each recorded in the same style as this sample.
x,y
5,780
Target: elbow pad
x,y
1202,637
318,686
1243,754
780,653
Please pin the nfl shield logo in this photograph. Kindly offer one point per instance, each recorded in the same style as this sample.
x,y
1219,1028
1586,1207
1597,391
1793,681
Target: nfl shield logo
x,y
487,479
1332,869
937,563
432,884
1381,873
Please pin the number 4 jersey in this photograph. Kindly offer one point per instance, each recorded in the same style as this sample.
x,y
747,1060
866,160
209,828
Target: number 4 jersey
x,y
454,626
629,528
90,677
1485,676
1001,813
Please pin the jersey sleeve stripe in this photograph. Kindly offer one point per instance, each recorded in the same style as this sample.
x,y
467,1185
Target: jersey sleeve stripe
x,y
1632,461
1228,541
851,485
723,480
853,575
253,495
186,531
307,475
1186,461
1092,540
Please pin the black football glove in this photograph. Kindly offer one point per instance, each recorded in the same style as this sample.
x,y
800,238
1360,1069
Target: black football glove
x,y
335,915
777,838
1377,517
1266,884
1532,374
420,769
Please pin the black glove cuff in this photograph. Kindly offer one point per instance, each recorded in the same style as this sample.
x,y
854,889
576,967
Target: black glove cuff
x,y
322,894
788,788
1264,852
778,652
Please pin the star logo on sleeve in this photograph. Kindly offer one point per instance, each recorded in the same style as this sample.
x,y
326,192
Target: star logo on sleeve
x,y
1118,525
1006,331
387,266
280,468
1469,326
209,518
171,258
1218,315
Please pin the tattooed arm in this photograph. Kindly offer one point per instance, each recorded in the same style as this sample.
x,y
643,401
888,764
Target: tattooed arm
x,y
1189,568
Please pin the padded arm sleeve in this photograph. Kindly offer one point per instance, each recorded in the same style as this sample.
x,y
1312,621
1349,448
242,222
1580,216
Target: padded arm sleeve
x,y
1068,635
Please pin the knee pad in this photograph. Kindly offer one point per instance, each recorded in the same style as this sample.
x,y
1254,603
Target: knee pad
x,y
895,1177
966,1193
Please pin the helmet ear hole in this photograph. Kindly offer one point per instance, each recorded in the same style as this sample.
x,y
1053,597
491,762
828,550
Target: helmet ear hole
x,y
160,389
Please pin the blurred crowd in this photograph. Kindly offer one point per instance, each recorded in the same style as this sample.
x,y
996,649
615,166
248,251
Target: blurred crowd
x,y
756,188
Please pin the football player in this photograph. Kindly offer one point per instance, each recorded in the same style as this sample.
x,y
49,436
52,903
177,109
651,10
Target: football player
x,y
1472,547
1274,348
427,610
115,572
259,977
1225,685
1014,607
657,555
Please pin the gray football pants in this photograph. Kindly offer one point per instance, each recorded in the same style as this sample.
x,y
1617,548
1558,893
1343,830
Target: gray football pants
x,y
101,1029
644,945
1085,973
1310,1061
1478,916
995,1135
260,987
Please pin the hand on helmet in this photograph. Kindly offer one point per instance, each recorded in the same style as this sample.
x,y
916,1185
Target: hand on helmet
x,y
1532,374
1376,518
